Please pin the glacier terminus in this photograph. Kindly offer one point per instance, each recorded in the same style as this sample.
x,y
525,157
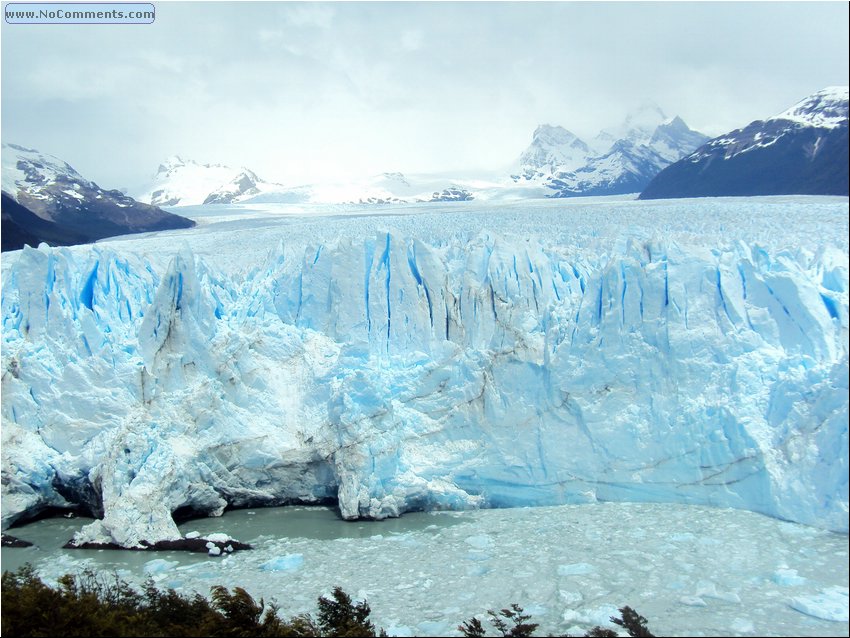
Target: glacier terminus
x,y
450,356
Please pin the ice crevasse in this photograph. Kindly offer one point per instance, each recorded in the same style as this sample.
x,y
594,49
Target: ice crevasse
x,y
393,374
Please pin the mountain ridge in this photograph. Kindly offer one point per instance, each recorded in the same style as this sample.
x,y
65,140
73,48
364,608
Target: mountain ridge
x,y
800,151
617,161
46,199
185,182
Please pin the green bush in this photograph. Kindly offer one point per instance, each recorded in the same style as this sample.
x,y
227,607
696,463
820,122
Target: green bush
x,y
339,617
518,627
633,622
86,605
94,605
629,619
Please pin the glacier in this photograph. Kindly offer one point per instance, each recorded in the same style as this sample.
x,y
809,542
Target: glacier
x,y
479,356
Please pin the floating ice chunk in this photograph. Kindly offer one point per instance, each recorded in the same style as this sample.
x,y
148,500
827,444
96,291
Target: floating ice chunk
x,y
728,596
535,609
574,569
228,549
706,588
482,541
709,589
218,538
829,604
743,626
210,544
787,577
191,535
570,597
693,601
159,565
600,616
433,628
287,563
685,537
214,551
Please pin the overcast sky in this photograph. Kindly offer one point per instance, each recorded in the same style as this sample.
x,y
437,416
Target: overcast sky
x,y
301,91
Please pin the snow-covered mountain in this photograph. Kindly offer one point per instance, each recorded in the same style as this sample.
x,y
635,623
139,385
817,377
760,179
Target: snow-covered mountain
x,y
45,199
802,150
383,188
556,164
617,161
553,148
474,356
184,182
638,128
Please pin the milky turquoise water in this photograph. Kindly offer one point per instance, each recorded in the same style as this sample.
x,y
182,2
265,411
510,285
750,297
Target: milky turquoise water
x,y
690,570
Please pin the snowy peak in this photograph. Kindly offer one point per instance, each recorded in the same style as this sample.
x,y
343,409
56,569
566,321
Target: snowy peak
x,y
26,168
620,160
51,202
380,189
638,127
646,117
245,184
827,108
675,125
185,182
553,148
673,139
803,150
548,135
173,162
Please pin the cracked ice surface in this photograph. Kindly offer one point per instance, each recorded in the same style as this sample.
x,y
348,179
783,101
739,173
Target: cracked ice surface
x,y
479,355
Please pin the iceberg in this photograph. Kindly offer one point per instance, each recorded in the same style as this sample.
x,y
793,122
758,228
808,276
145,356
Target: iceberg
x,y
391,371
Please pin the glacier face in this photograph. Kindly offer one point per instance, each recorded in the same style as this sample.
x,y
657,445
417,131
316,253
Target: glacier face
x,y
620,351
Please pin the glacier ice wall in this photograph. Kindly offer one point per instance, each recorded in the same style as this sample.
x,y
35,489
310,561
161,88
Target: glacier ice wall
x,y
397,374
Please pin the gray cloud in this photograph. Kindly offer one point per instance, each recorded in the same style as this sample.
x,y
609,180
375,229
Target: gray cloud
x,y
301,90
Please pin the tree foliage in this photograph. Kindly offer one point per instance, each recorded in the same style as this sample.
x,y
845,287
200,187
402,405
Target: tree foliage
x,y
90,604
340,617
633,622
94,605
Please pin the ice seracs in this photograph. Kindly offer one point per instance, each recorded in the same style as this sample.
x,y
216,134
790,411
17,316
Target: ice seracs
x,y
407,362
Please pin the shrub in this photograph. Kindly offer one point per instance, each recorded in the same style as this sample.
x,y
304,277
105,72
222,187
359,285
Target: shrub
x,y
94,605
509,622
633,622
339,617
629,619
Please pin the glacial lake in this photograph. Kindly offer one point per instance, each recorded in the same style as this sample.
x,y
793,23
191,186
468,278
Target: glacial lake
x,y
689,570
